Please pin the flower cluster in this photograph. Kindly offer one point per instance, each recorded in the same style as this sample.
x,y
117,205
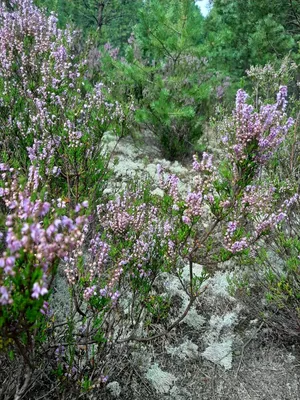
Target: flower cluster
x,y
99,252
113,52
257,198
231,244
258,134
194,206
265,221
34,235
206,164
121,215
136,233
169,183
271,220
89,292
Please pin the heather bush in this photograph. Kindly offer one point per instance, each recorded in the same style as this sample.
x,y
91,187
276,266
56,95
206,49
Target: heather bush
x,y
112,273
57,226
52,119
36,237
273,274
266,81
269,285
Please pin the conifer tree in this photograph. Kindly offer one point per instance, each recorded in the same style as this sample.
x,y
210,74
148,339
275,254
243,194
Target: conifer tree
x,y
107,20
240,33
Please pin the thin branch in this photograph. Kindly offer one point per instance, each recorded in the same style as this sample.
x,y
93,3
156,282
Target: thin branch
x,y
22,390
172,326
162,44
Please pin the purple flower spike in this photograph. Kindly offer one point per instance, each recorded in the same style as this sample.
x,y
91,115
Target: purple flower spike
x,y
38,290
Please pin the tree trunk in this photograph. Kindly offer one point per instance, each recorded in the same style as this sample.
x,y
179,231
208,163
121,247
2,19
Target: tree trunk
x,y
100,15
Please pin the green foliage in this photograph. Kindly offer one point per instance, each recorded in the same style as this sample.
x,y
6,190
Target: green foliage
x,y
158,308
241,33
167,37
166,73
103,20
166,30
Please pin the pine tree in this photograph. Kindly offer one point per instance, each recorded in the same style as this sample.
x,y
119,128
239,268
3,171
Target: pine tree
x,y
107,20
165,65
240,33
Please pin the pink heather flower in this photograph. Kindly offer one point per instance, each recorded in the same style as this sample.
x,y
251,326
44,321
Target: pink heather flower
x,y
172,185
85,204
13,205
186,220
35,230
104,378
38,290
207,162
231,228
225,204
57,223
115,296
210,198
45,309
224,139
5,296
289,202
56,171
60,351
238,246
59,238
51,230
3,167
167,228
268,127
89,292
159,169
194,202
281,97
61,203
196,165
9,263
107,46
67,222
280,217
